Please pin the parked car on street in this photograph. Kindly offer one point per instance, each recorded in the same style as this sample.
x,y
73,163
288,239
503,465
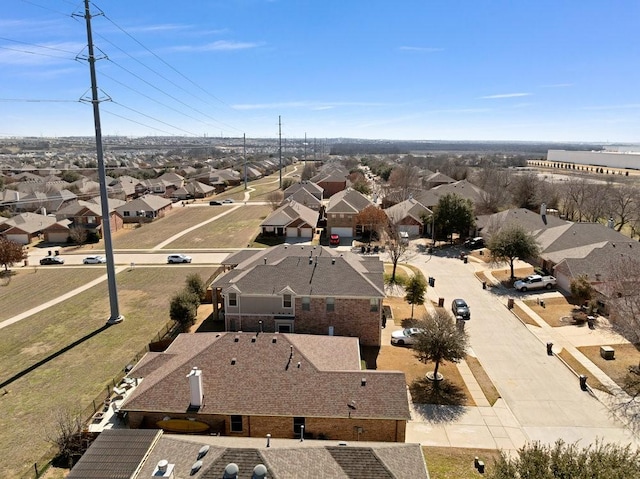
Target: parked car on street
x,y
178,258
334,240
405,336
535,281
52,260
94,260
459,307
228,200
215,203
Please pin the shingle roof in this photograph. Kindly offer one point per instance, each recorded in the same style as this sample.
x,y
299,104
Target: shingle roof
x,y
266,379
287,459
308,271
411,207
348,201
290,212
529,220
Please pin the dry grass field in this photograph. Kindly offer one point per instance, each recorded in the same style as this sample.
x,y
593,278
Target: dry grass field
x,y
34,285
234,230
457,463
178,219
73,356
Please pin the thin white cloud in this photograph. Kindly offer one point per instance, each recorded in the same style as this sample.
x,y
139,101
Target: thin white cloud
x,y
221,45
163,27
312,105
420,49
628,106
505,95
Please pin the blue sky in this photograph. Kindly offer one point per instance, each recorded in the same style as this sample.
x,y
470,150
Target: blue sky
x,y
408,69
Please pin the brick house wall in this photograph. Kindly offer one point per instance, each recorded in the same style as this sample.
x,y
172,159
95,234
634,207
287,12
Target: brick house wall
x,y
332,187
337,429
351,317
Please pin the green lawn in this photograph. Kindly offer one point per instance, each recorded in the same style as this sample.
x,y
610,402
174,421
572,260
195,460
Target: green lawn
x,y
72,379
32,286
235,230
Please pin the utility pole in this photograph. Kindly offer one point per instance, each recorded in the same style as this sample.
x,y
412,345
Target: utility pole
x,y
280,147
244,154
305,149
115,317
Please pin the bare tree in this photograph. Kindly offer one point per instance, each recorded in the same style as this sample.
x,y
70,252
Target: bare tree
x,y
440,340
623,288
397,249
78,234
494,182
625,205
67,436
405,180
372,219
274,198
524,190
10,253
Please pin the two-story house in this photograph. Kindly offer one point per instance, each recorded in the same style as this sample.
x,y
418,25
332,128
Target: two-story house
x,y
343,210
304,289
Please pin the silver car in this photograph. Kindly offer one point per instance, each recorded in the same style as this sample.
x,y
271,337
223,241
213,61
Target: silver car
x,y
178,258
94,260
405,336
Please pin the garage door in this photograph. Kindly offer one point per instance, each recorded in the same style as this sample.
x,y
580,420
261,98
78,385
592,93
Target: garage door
x,y
60,237
18,238
292,232
306,232
342,231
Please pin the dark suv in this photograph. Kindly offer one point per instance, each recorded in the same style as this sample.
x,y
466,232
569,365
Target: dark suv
x,y
459,307
52,260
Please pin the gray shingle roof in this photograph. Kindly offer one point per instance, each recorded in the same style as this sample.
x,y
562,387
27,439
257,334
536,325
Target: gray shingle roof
x,y
348,201
331,273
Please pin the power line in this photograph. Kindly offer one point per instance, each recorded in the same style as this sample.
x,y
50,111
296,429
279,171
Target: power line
x,y
138,123
152,118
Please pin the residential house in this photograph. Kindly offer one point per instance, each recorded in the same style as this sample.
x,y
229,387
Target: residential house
x,y
25,227
50,201
292,220
304,289
193,189
306,193
146,208
126,187
253,384
88,215
343,210
436,179
332,179
410,217
125,453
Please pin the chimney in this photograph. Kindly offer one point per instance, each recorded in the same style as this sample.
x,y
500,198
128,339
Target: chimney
x,y
333,261
195,388
363,382
265,261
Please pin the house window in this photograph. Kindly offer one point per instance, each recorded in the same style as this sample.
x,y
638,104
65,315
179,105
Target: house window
x,y
91,219
233,299
331,306
236,424
306,303
284,325
127,213
373,304
286,301
297,423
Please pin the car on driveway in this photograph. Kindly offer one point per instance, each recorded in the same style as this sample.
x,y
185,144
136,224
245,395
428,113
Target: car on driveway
x,y
459,307
406,336
178,258
94,260
474,243
334,240
52,260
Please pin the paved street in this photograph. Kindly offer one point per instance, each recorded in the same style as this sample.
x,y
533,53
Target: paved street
x,y
541,398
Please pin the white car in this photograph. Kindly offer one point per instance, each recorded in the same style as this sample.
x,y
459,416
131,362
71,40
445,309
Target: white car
x,y
94,260
405,336
178,258
227,201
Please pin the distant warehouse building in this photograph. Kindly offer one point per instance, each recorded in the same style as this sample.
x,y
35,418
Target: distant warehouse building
x,y
596,158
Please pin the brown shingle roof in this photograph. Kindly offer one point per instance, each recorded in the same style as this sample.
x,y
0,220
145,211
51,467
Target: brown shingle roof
x,y
265,379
